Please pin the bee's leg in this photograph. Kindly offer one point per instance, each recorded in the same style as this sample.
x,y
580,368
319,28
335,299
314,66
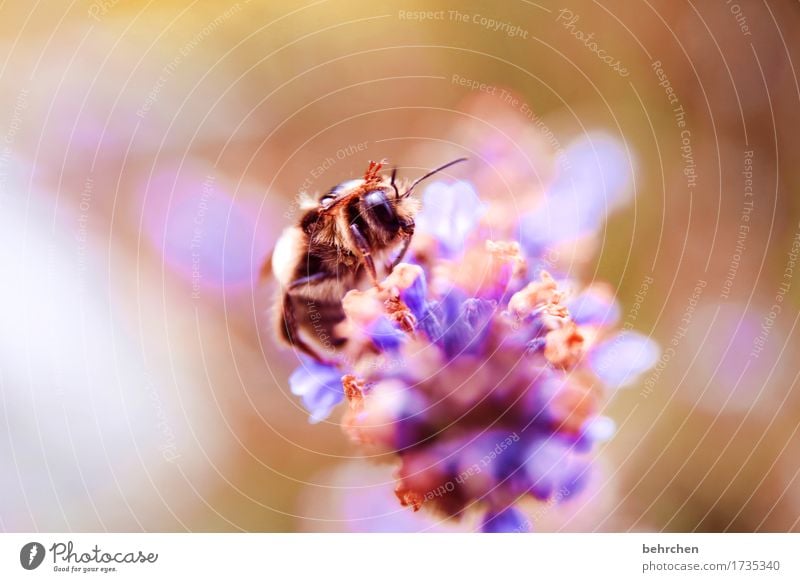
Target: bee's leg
x,y
404,248
363,248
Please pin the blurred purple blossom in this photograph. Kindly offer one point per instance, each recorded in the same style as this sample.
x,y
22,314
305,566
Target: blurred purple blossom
x,y
203,233
619,361
450,212
596,179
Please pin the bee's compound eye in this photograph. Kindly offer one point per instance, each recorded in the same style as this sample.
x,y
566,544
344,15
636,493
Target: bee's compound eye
x,y
377,203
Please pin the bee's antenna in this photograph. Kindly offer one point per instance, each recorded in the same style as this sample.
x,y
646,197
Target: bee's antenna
x,y
394,175
431,173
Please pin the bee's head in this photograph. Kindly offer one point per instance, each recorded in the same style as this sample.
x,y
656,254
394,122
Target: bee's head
x,y
375,201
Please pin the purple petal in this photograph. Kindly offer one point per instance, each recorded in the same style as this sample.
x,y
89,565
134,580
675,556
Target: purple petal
x,y
509,520
554,222
598,175
319,386
385,335
450,212
204,233
455,333
553,467
594,308
462,323
415,296
600,429
620,361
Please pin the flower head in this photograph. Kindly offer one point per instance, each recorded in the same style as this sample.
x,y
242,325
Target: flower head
x,y
482,371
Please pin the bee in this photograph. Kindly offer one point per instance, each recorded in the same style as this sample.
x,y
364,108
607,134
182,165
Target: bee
x,y
340,243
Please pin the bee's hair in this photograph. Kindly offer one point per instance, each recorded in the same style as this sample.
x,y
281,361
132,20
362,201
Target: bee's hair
x,y
306,201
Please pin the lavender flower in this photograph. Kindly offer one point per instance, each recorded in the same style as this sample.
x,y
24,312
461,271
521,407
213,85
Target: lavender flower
x,y
478,369
320,387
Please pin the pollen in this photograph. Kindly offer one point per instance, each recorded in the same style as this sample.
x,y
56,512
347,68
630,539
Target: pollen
x,y
410,498
535,296
564,346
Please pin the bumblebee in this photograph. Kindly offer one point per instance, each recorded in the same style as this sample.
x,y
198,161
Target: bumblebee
x,y
348,238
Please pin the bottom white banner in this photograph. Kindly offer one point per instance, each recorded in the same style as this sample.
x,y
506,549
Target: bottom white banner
x,y
357,557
